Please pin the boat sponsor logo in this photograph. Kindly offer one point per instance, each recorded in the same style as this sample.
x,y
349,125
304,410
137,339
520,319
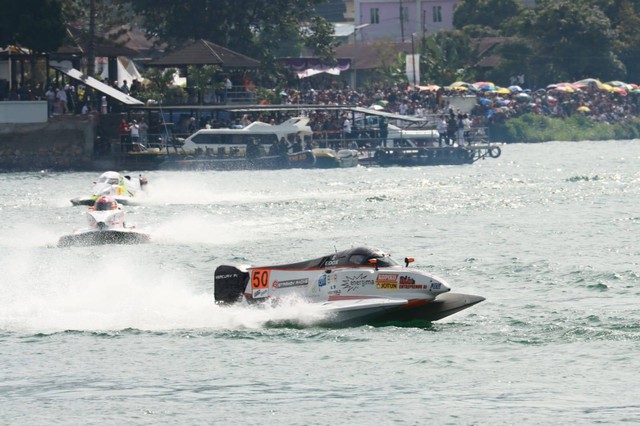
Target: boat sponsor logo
x,y
436,286
225,276
407,280
386,286
332,282
322,281
413,287
331,262
387,278
290,283
387,282
260,294
353,283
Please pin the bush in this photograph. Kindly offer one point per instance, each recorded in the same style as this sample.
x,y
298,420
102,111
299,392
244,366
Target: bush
x,y
539,128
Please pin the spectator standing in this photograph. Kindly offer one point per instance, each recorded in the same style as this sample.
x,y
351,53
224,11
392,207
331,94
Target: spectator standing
x,y
50,94
61,98
442,131
135,131
346,127
123,131
143,128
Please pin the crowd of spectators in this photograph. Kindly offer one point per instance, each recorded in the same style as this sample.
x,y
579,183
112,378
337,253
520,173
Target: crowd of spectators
x,y
492,104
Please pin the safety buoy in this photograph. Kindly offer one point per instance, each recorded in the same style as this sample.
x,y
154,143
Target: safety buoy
x,y
494,152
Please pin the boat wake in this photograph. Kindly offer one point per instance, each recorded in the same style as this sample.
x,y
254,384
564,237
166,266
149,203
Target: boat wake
x,y
72,296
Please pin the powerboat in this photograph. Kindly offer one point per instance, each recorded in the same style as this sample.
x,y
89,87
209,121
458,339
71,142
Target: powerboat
x,y
121,187
327,158
360,285
106,225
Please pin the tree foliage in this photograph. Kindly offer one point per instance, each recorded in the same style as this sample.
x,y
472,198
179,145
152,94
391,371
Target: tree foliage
x,y
257,28
485,13
34,24
447,56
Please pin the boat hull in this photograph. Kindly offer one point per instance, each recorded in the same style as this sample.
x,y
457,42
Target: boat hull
x,y
445,305
304,159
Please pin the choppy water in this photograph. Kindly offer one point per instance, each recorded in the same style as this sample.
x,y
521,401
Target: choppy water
x,y
548,233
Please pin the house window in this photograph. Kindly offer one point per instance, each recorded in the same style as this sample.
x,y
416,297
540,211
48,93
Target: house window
x,y
404,14
375,15
437,13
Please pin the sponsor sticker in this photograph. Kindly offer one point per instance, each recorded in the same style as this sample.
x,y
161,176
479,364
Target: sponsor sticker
x,y
412,287
386,286
261,293
322,280
355,282
290,283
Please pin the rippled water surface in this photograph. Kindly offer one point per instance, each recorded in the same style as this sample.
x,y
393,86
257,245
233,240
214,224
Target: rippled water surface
x,y
548,233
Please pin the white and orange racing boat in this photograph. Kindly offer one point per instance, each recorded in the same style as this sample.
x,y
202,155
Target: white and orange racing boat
x,y
359,285
106,225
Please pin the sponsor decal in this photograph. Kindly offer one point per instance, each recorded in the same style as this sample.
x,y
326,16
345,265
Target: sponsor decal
x,y
387,278
322,281
355,282
332,282
290,283
387,282
259,294
436,286
222,277
407,280
412,286
386,286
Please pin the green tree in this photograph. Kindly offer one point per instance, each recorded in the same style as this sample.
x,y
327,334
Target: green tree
x,y
571,41
447,56
34,24
320,40
485,13
202,78
93,18
626,21
257,28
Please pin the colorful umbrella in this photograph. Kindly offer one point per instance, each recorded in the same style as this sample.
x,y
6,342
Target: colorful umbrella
x,y
484,85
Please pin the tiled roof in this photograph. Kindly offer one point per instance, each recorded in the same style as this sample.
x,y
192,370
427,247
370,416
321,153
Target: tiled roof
x,y
203,52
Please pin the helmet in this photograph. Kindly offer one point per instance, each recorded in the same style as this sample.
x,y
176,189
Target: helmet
x,y
105,203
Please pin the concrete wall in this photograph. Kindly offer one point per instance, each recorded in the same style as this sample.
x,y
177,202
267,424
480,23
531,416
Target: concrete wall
x,y
63,143
23,112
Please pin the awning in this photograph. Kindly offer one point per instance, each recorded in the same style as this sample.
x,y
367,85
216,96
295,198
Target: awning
x,y
99,86
387,114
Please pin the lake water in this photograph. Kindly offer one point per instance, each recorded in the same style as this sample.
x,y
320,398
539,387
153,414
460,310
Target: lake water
x,y
548,233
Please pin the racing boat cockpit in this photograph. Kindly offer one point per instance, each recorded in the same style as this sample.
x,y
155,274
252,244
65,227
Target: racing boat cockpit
x,y
357,256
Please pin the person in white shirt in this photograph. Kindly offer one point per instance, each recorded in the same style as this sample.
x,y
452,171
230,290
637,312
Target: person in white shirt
x,y
442,131
135,131
346,127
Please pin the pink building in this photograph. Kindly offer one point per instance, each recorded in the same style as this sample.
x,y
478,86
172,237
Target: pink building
x,y
397,20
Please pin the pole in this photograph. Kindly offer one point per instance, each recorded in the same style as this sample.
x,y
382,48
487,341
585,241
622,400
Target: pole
x,y
401,22
413,61
353,59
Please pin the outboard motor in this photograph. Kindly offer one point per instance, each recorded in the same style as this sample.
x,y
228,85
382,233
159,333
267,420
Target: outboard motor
x,y
229,283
